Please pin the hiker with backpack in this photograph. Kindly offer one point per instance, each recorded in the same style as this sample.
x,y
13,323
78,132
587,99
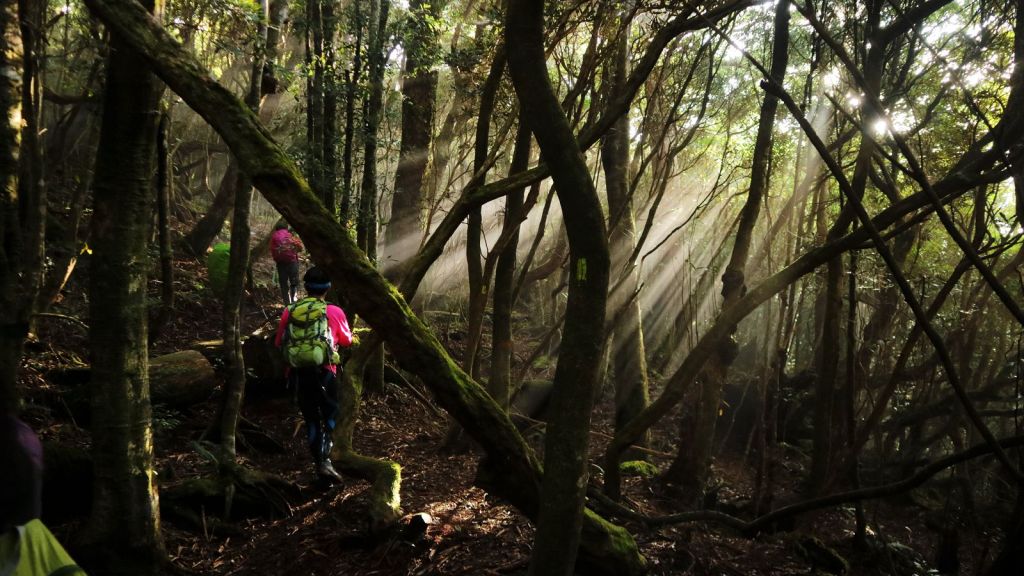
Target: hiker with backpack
x,y
284,249
309,333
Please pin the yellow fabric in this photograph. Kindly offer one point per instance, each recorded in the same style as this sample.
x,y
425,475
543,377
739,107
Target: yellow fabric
x,y
39,552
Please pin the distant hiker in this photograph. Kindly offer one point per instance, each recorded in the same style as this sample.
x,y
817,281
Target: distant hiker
x,y
284,249
27,547
310,331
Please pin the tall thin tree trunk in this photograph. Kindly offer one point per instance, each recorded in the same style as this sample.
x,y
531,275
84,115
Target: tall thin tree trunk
x,y
234,291
163,207
14,315
827,353
628,359
330,114
124,529
351,84
373,374
315,96
504,278
479,288
692,466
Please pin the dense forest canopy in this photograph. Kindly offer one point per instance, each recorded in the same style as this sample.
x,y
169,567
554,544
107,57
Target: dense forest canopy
x,y
653,276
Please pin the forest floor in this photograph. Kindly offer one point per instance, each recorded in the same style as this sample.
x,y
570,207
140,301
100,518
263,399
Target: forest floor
x,y
472,533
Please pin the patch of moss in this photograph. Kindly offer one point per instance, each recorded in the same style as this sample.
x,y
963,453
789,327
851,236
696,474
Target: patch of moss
x,y
638,468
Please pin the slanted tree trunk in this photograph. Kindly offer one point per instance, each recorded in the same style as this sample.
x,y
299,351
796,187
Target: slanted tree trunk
x,y
198,240
567,438
419,89
605,549
124,529
628,359
692,466
373,371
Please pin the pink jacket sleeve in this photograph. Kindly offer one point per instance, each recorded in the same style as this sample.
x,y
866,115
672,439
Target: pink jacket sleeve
x,y
279,336
339,326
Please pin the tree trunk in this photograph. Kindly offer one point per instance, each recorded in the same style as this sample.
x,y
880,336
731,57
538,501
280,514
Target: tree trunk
x,y
402,235
373,373
479,287
504,278
605,549
163,207
14,315
827,354
124,529
692,466
234,292
209,226
351,82
628,359
330,130
566,441
315,97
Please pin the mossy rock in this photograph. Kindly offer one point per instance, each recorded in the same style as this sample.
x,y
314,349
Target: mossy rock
x,y
638,468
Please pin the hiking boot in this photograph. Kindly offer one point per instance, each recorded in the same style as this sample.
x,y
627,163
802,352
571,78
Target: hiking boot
x,y
326,470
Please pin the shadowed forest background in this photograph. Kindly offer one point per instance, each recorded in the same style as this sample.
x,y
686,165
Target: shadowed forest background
x,y
641,287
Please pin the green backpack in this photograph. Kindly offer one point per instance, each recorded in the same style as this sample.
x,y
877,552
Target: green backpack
x,y
307,339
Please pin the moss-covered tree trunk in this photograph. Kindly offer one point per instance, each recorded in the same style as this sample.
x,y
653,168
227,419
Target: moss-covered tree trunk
x,y
419,89
628,359
124,529
567,438
605,549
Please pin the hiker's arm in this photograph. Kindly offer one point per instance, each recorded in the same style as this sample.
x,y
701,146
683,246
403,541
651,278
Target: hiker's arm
x,y
339,326
279,336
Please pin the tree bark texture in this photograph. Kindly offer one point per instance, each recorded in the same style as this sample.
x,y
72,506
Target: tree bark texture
x,y
124,528
605,548
572,395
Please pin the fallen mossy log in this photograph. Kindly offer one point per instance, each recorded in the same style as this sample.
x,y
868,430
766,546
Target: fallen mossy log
x,y
179,381
604,547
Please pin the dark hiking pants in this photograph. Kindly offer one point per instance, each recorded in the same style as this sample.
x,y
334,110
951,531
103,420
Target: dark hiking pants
x,y
317,390
288,279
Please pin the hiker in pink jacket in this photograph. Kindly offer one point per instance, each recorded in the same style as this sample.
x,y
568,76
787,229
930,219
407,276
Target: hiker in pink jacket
x,y
284,249
301,332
